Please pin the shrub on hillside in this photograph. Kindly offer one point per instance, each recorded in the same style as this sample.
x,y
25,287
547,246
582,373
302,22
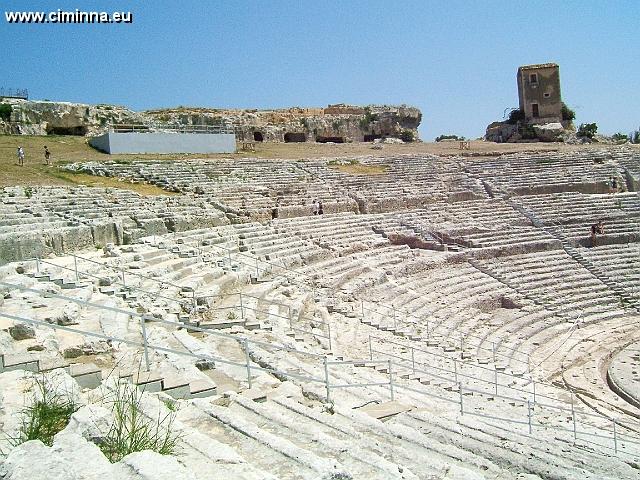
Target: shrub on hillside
x,y
528,133
449,137
567,114
587,130
365,122
619,137
407,136
515,115
5,112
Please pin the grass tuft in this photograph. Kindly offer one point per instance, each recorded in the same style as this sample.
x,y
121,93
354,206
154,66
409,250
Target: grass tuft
x,y
48,414
132,430
360,169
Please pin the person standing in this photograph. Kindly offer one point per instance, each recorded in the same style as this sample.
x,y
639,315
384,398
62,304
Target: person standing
x,y
47,156
21,156
320,210
596,229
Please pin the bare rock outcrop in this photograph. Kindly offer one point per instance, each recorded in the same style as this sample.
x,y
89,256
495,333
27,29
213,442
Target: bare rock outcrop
x,y
64,118
335,123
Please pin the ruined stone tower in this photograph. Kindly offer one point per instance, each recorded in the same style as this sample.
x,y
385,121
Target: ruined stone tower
x,y
539,93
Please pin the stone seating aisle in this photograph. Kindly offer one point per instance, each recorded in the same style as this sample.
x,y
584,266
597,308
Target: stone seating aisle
x,y
288,436
437,397
530,174
239,421
621,263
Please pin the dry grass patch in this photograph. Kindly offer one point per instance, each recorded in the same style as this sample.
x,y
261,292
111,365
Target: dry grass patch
x,y
360,169
144,189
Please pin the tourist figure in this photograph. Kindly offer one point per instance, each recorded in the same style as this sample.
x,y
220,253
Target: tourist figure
x,y
315,207
47,156
613,185
21,156
596,229
320,210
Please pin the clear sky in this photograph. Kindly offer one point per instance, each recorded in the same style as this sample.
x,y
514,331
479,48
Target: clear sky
x,y
454,60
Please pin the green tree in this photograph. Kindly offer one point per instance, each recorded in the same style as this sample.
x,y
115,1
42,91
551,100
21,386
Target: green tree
x,y
587,130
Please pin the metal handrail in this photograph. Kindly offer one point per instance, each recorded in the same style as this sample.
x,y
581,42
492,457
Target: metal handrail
x,y
457,374
157,126
146,317
79,273
313,288
327,382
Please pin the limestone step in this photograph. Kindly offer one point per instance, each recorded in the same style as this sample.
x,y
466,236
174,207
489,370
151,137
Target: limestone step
x,y
88,375
19,361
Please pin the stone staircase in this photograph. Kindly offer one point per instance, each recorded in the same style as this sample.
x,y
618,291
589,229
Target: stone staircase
x,y
626,298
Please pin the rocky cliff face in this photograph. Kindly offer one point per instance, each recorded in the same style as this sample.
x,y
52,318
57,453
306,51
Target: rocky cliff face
x,y
335,123
63,118
505,132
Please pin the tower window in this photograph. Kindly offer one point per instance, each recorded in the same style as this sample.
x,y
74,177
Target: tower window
x,y
533,78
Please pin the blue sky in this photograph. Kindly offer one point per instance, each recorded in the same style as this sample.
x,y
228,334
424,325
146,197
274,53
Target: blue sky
x,y
454,60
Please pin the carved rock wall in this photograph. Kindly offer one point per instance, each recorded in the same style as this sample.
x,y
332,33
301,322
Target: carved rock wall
x,y
337,123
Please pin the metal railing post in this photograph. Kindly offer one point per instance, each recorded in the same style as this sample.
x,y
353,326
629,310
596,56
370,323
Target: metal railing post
x,y
329,335
257,269
124,283
248,360
326,379
370,349
455,370
495,378
529,415
38,264
395,323
413,360
75,266
391,381
534,391
362,308
461,399
573,417
493,351
145,345
241,307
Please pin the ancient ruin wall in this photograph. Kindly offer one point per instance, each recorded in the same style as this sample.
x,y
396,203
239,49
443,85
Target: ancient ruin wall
x,y
336,123
64,118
